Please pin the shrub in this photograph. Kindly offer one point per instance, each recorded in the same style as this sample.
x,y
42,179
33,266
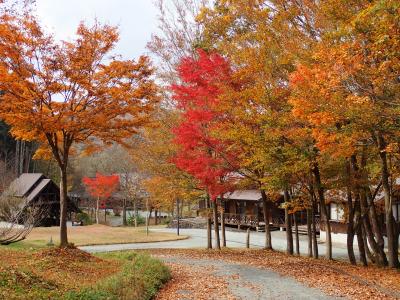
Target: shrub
x,y
84,217
140,220
140,279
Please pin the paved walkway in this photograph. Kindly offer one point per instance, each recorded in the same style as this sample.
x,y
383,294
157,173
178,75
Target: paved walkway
x,y
226,280
235,239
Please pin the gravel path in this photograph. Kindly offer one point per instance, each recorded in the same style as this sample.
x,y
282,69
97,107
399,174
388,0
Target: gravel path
x,y
226,280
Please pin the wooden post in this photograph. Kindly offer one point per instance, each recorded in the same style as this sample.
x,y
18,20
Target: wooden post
x,y
177,217
248,238
147,216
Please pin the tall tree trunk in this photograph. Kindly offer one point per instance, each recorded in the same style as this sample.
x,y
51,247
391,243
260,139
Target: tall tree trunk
x,y
350,221
155,217
216,226
324,210
288,225
135,212
350,232
309,233
379,255
63,208
223,222
296,233
97,210
361,243
268,239
313,223
374,220
209,238
22,157
124,220
17,157
393,255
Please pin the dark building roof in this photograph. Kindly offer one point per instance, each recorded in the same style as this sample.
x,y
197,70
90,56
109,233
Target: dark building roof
x,y
21,186
30,185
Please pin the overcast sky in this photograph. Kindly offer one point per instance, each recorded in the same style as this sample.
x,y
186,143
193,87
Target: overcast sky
x,y
137,20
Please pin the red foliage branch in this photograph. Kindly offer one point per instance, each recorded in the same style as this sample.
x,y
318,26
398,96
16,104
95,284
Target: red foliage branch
x,y
202,154
101,186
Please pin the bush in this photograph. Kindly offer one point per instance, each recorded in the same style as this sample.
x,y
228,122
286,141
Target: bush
x,y
140,220
84,217
141,278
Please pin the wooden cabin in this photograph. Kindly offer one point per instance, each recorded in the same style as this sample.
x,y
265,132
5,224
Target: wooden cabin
x,y
37,189
338,213
244,208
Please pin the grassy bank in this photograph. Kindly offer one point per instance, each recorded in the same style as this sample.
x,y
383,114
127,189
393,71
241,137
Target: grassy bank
x,y
54,273
140,278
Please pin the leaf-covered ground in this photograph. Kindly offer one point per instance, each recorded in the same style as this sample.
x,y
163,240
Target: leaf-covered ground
x,y
50,272
71,274
334,278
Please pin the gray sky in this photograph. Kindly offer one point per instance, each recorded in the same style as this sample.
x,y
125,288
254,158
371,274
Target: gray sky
x,y
137,20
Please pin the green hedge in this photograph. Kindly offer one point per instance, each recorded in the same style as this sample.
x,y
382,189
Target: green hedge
x,y
140,279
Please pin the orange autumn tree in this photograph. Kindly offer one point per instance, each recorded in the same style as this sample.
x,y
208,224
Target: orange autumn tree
x,y
64,93
101,187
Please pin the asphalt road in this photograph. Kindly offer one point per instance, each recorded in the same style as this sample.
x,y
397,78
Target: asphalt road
x,y
235,239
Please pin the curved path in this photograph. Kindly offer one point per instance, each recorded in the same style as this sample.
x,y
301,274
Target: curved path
x,y
195,278
235,239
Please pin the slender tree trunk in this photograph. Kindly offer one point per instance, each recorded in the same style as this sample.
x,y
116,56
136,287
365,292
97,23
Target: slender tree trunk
x,y
379,256
223,222
63,208
350,221
17,158
296,232
97,210
374,220
288,225
209,238
135,211
313,223
124,220
155,217
393,255
360,241
324,210
268,239
309,234
216,226
350,235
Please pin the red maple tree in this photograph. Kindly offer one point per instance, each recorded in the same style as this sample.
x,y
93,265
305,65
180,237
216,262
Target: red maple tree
x,y
202,154
101,187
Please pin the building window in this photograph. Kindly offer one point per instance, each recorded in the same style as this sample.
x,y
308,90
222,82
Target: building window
x,y
337,212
